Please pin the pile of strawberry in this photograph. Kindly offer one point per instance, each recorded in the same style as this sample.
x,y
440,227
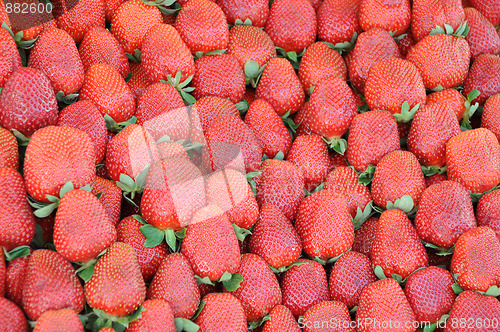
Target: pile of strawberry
x,y
243,164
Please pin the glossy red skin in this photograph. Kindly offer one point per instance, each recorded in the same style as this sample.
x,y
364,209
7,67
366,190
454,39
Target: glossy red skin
x,y
111,197
364,236
488,8
84,16
490,118
12,317
405,44
10,59
449,97
250,43
327,311
392,16
14,279
9,154
222,312
157,316
471,306
488,211
338,20
139,81
426,14
256,11
207,109
65,319
482,77
482,37
435,179
281,320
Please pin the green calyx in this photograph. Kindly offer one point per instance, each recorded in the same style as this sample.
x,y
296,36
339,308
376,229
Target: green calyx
x,y
286,268
250,179
338,145
253,72
231,282
116,127
320,187
183,324
405,204
98,319
199,54
254,325
164,6
18,252
240,22
242,106
431,170
475,197
279,156
345,46
155,236
66,99
470,109
366,176
130,186
134,57
187,144
330,260
292,56
21,139
290,125
440,251
362,215
406,114
18,38
182,87
462,31
241,233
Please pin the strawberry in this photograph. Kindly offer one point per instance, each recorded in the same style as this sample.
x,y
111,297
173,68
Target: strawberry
x,y
384,301
256,11
471,307
202,26
157,317
397,174
406,43
338,21
442,60
207,109
445,212
50,283
391,82
488,9
280,86
280,183
281,320
393,16
3,14
106,88
84,115
139,81
131,21
482,37
14,279
10,59
292,25
222,312
259,292
9,154
100,46
451,98
349,275
473,160
128,231
328,311
488,211
428,14
435,179
364,236
210,244
372,46
59,320
110,197
110,7
337,160
299,117
82,17
396,247
12,317
303,286
250,43
430,293
482,77
164,53
118,272
27,102
318,62
71,158
490,118
372,135
218,75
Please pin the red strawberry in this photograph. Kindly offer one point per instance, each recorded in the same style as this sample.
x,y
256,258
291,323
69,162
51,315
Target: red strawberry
x,y
338,21
384,301
337,160
292,25
207,109
482,77
430,293
406,43
84,115
138,82
202,26
222,312
435,179
110,7
303,286
281,320
10,59
324,312
50,283
364,236
131,21
59,320
280,86
9,154
488,211
488,9
473,160
100,46
451,98
349,275
394,16
397,174
427,14
157,317
250,43
443,60
14,279
27,101
299,117
490,118
82,17
469,309
119,273
396,247
256,11
12,317
110,197
372,135
482,37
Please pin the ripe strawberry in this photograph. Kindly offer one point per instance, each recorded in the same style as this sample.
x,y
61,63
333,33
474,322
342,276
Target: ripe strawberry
x,y
473,307
397,174
110,197
9,154
430,293
384,301
303,286
82,17
84,115
396,247
281,320
12,317
209,108
488,211
59,320
473,160
218,75
3,14
490,118
406,43
327,311
256,11
10,59
364,236
27,101
349,275
202,26
443,60
157,316
71,158
372,135
482,37
292,25
482,77
107,89
391,82
394,16
50,283
451,98
173,150
427,14
110,7
100,46
299,117
280,183
435,179
338,20
488,9
118,272
138,82
337,160
280,86
14,279
222,312
131,21
250,43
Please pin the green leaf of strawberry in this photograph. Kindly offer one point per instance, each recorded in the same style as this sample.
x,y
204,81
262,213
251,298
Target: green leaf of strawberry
x,y
231,282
